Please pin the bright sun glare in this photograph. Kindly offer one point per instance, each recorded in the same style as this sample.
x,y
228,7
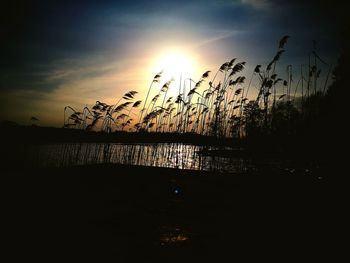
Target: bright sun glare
x,y
175,64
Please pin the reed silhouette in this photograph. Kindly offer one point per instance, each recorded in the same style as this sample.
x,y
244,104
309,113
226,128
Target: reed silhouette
x,y
269,114
222,107
99,208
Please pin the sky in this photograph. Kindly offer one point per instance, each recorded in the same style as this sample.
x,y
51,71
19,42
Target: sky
x,y
59,53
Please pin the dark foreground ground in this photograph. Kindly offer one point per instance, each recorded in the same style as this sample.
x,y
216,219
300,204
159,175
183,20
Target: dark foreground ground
x,y
138,214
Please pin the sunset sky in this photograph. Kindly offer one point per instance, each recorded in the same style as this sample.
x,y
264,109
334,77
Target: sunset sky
x,y
58,53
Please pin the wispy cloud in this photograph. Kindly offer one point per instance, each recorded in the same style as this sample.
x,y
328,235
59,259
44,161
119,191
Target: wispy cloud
x,y
257,3
254,3
215,38
81,52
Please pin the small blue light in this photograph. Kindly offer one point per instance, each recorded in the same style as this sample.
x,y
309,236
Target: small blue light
x,y
177,191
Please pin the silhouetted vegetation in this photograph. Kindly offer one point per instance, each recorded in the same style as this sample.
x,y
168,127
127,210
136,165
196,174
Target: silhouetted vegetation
x,y
293,119
123,203
284,111
220,106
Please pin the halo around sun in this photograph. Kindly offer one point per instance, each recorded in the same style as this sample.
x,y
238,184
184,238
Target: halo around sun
x,y
175,64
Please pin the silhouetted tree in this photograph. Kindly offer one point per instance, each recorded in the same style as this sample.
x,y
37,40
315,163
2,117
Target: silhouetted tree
x,y
254,119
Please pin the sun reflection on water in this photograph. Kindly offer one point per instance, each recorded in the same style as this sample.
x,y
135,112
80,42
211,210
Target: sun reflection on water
x,y
173,235
168,155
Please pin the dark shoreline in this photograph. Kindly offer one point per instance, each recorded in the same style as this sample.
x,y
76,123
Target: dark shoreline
x,y
16,139
122,212
42,135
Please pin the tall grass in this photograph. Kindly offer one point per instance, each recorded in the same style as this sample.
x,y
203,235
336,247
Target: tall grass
x,y
223,105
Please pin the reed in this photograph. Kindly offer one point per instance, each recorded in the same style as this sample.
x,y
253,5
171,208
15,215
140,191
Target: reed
x,y
222,107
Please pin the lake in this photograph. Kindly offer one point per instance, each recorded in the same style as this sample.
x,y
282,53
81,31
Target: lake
x,y
170,155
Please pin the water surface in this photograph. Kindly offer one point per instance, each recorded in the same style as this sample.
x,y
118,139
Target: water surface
x,y
170,155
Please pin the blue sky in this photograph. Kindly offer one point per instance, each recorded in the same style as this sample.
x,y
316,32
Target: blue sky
x,y
58,53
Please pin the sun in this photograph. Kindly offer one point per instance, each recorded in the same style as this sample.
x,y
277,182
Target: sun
x,y
175,64
178,65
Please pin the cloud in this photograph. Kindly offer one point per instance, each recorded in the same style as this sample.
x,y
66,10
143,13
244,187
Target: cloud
x,y
259,4
218,37
82,51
